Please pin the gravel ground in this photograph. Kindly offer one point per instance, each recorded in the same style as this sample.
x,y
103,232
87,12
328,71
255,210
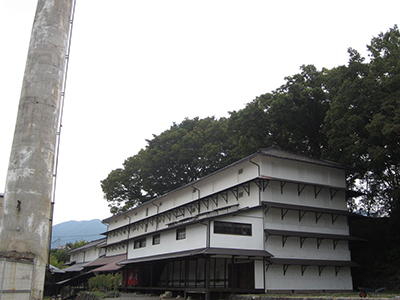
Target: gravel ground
x,y
134,296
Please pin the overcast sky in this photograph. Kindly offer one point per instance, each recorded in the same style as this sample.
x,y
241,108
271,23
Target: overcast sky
x,y
138,66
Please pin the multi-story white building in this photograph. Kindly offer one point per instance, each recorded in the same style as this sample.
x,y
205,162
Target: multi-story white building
x,y
273,221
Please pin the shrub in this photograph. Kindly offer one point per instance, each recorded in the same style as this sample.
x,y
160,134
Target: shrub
x,y
105,283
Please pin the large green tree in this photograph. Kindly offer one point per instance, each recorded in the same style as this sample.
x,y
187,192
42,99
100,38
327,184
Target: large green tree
x,y
179,155
349,114
292,116
363,122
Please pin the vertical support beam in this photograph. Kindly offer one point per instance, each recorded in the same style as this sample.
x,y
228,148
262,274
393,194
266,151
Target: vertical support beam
x,y
167,277
226,279
215,272
180,273
207,277
25,224
195,274
173,273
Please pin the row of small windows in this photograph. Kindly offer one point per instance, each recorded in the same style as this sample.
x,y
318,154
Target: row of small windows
x,y
141,243
219,228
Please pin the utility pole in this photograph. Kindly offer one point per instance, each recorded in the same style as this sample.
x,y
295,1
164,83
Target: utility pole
x,y
25,216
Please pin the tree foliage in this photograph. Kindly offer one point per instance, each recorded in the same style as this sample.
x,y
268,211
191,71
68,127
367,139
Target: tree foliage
x,y
363,122
184,153
59,256
350,114
105,283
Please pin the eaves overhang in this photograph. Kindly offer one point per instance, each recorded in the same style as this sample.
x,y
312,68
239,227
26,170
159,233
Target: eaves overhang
x,y
237,253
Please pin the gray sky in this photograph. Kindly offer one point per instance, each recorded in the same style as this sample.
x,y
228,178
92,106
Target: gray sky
x,y
138,66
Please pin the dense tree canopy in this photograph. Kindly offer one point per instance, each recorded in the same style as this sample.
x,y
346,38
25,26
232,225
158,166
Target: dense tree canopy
x,y
363,123
185,152
59,256
350,114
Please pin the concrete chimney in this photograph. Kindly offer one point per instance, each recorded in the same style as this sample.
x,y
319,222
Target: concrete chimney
x,y
26,210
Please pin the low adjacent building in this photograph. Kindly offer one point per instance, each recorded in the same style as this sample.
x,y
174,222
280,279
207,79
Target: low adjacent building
x,y
87,261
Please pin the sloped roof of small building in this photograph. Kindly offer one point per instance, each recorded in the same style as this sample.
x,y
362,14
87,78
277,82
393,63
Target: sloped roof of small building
x,y
96,243
108,264
76,267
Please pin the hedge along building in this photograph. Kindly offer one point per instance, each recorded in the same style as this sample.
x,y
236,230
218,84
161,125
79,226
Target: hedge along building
x,y
26,212
273,221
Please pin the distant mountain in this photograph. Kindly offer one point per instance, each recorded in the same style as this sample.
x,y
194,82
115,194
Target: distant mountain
x,y
73,231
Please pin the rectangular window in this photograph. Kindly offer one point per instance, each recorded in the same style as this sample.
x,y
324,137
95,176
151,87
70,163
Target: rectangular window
x,y
156,239
139,243
181,234
232,228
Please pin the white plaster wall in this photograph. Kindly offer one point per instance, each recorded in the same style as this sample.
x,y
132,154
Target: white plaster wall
x,y
309,250
289,195
91,254
195,239
292,170
208,186
117,236
308,223
293,280
116,251
251,200
227,178
77,256
259,274
254,242
117,222
273,220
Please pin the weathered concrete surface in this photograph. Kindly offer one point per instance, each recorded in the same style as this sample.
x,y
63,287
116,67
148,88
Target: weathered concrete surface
x,y
24,223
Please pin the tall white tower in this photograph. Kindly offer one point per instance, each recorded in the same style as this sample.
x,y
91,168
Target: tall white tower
x,y
26,211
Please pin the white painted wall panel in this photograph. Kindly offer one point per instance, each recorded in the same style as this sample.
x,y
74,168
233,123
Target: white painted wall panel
x,y
292,170
195,239
254,242
293,280
309,250
290,222
259,274
91,254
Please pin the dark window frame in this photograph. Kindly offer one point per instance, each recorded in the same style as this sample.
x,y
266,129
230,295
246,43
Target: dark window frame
x,y
139,243
233,228
181,233
156,239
